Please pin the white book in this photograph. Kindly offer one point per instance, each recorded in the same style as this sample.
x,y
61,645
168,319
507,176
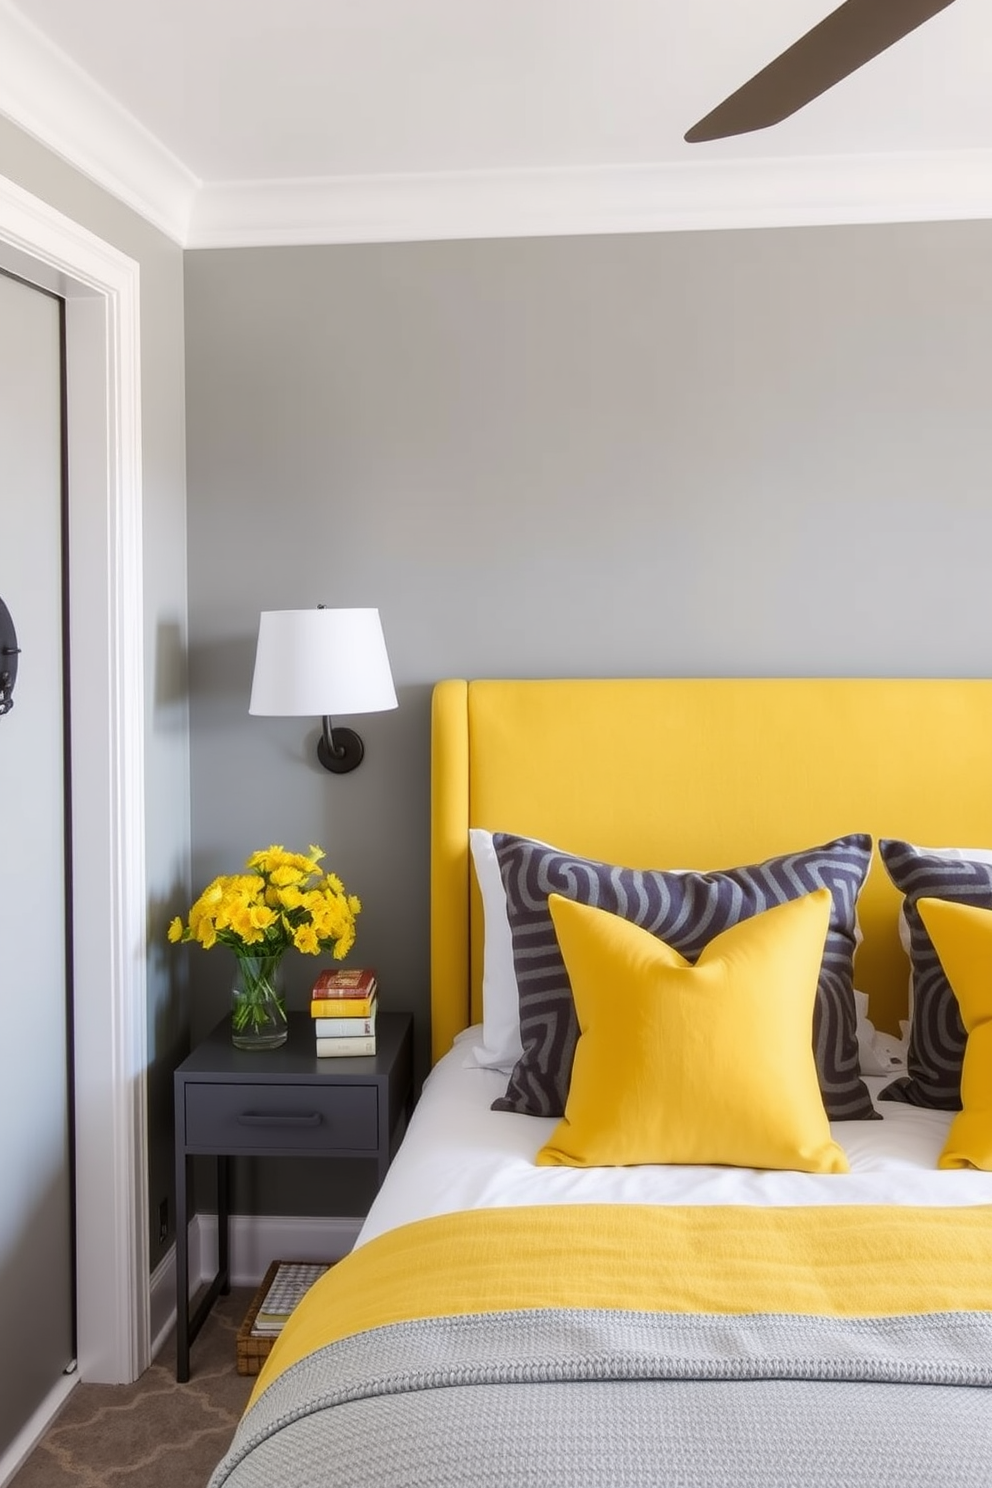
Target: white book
x,y
345,1027
349,1048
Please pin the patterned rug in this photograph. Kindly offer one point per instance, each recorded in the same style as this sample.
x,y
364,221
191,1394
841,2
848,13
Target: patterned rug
x,y
154,1433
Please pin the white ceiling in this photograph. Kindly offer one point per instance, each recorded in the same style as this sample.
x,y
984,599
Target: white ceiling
x,y
238,121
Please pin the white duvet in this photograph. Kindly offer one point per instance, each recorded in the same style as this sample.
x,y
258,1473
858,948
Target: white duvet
x,y
459,1154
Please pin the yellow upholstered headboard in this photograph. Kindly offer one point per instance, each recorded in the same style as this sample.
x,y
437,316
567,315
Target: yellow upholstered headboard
x,y
704,773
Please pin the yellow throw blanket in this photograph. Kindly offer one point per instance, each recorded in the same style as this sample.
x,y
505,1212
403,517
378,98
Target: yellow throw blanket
x,y
830,1261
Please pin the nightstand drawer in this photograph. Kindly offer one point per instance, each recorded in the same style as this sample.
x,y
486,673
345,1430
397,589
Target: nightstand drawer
x,y
279,1118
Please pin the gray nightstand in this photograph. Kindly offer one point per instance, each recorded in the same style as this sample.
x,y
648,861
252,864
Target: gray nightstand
x,y
280,1103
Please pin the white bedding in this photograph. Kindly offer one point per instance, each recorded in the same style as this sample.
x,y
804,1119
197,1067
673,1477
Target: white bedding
x,y
459,1154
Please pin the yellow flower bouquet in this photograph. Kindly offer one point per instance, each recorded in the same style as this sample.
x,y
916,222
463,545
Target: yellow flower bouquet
x,y
283,901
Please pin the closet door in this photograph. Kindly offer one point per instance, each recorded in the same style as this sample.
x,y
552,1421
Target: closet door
x,y
36,1253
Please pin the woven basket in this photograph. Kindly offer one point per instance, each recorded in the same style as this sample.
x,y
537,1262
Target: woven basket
x,y
254,1350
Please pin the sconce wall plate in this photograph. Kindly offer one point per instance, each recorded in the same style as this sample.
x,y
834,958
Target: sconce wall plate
x,y
339,749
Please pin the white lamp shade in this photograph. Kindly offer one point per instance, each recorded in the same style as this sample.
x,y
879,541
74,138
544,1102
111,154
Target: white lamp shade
x,y
321,662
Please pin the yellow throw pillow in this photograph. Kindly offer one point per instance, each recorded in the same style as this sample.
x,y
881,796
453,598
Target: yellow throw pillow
x,y
704,1063
962,938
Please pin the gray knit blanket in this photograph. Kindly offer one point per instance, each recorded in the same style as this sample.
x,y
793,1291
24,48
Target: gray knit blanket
x,y
614,1399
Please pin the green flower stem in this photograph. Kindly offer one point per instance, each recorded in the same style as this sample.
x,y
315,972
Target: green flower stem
x,y
258,1001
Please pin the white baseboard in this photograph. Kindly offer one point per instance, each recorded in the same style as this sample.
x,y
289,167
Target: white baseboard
x,y
162,1294
259,1239
31,1433
256,1240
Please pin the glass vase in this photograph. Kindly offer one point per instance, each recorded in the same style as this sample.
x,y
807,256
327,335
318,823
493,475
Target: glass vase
x,y
258,1009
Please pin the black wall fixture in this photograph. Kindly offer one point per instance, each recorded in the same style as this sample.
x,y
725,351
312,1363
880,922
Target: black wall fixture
x,y
9,652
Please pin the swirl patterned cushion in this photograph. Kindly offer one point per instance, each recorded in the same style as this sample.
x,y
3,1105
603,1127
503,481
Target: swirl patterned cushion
x,y
937,1035
686,910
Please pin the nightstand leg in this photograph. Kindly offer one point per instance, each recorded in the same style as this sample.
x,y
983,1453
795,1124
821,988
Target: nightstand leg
x,y
224,1223
182,1270
188,1327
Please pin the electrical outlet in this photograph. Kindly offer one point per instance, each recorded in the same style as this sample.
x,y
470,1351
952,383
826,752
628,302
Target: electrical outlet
x,y
163,1221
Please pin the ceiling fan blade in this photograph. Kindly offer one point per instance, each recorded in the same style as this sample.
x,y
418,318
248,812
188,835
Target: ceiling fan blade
x,y
844,41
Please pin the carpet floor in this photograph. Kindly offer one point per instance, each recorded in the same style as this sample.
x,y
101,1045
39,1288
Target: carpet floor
x,y
155,1432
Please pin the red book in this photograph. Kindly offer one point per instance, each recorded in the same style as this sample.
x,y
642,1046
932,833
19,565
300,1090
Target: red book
x,y
336,983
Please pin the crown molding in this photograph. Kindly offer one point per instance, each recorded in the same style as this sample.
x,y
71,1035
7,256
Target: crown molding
x,y
627,199
50,97
47,94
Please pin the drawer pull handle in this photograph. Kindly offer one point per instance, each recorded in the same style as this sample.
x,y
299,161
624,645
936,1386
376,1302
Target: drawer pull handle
x,y
253,1118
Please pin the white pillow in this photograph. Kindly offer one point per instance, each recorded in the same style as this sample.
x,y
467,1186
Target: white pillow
x,y
878,1053
501,1047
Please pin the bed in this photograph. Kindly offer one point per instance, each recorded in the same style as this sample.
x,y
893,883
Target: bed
x,y
698,1189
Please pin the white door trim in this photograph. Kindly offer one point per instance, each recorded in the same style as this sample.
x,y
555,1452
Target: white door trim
x,y
106,668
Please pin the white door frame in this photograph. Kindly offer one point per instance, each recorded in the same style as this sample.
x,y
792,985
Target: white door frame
x,y
106,669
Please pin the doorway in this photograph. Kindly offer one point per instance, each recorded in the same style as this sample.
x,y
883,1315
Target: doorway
x,y
37,1265
100,287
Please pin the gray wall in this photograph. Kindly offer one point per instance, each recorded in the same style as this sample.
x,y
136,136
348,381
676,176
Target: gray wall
x,y
738,453
31,166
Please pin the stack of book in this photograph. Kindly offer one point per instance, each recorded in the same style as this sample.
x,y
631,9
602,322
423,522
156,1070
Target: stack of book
x,y
343,1006
292,1280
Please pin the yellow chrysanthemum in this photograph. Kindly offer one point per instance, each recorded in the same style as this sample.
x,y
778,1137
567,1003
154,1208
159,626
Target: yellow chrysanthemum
x,y
344,944
281,900
238,917
305,939
206,935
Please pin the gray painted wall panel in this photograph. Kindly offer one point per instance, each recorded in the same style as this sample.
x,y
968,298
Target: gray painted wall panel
x,y
732,453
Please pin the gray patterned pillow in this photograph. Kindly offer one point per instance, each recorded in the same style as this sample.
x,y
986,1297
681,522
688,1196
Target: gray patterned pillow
x,y
686,910
936,1036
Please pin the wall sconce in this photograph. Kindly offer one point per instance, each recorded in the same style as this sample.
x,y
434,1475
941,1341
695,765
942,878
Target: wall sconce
x,y
318,662
9,652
